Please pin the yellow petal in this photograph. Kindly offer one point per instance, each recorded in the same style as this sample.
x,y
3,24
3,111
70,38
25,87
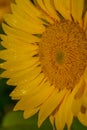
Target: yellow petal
x,y
41,4
48,8
85,21
52,120
60,118
63,7
35,99
26,14
68,106
51,10
32,11
76,106
19,48
18,22
18,44
28,7
50,105
84,103
29,113
21,35
77,9
23,76
79,99
17,56
45,12
39,96
68,113
27,87
81,91
16,68
83,118
4,54
17,65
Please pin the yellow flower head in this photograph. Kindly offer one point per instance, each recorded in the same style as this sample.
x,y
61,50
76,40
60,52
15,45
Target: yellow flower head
x,y
46,58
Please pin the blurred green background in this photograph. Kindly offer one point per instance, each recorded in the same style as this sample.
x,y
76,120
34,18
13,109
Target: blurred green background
x,y
10,120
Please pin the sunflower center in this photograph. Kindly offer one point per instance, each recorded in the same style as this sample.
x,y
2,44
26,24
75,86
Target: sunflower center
x,y
63,54
59,57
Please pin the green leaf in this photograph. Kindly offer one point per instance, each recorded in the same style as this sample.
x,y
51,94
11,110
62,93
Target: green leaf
x,y
24,127
76,125
15,121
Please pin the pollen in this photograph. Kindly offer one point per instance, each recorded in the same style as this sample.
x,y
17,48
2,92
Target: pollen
x,y
63,54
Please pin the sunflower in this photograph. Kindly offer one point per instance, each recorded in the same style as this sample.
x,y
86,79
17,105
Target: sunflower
x,y
46,59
